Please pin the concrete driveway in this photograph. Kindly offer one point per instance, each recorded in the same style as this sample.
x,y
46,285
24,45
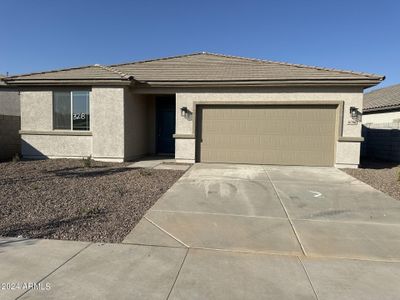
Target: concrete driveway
x,y
234,232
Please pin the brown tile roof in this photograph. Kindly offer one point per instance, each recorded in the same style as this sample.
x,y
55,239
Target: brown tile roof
x,y
217,67
382,99
201,68
85,72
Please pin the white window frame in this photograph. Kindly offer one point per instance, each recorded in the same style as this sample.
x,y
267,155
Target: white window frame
x,y
71,99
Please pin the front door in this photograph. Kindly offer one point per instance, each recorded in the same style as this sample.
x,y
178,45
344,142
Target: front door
x,y
165,107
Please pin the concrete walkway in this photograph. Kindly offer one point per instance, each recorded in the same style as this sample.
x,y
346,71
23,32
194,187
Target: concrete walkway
x,y
231,232
160,163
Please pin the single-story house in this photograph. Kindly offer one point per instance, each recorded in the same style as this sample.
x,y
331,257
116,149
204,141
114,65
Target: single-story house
x,y
10,144
199,107
382,105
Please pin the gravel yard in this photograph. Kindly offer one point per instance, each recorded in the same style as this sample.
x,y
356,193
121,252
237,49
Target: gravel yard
x,y
381,175
60,199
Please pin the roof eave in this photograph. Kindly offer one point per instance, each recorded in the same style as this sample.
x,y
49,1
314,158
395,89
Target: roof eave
x,y
364,83
381,109
68,82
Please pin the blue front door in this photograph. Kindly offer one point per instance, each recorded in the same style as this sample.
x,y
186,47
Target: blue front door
x,y
165,108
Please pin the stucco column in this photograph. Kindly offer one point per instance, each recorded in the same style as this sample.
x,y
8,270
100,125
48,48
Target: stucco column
x,y
107,123
185,142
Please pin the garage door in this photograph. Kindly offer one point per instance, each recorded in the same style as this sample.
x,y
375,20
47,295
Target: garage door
x,y
267,134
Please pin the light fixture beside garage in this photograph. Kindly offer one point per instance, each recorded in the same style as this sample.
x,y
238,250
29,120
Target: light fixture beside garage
x,y
355,114
185,112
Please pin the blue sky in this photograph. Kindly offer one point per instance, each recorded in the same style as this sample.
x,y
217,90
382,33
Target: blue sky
x,y
353,35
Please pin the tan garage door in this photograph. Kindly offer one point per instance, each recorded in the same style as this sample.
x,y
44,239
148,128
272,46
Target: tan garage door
x,y
267,134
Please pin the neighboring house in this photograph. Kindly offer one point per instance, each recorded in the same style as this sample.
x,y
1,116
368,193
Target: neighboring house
x,y
10,141
381,119
382,105
198,107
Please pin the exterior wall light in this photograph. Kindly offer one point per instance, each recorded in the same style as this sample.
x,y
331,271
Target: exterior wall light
x,y
185,111
353,111
355,114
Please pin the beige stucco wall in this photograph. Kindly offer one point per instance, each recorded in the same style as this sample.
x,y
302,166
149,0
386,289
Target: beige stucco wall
x,y
10,124
56,146
36,120
138,129
37,110
107,123
385,117
9,103
347,154
104,141
185,150
123,121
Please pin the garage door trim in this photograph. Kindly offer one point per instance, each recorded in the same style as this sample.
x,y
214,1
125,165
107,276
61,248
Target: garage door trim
x,y
337,105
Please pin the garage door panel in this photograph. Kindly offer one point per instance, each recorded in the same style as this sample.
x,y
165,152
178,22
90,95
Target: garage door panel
x,y
264,143
274,134
267,127
260,157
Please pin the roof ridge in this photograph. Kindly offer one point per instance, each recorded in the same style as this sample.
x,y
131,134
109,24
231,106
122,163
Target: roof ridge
x,y
51,71
107,68
158,59
297,65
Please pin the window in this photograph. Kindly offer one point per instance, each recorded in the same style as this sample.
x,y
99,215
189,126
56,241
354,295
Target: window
x,y
62,110
80,110
71,110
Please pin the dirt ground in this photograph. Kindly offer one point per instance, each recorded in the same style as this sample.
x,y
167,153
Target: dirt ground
x,y
62,199
381,175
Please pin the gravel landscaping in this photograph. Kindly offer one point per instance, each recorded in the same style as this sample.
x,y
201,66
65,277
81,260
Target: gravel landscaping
x,y
61,199
381,175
